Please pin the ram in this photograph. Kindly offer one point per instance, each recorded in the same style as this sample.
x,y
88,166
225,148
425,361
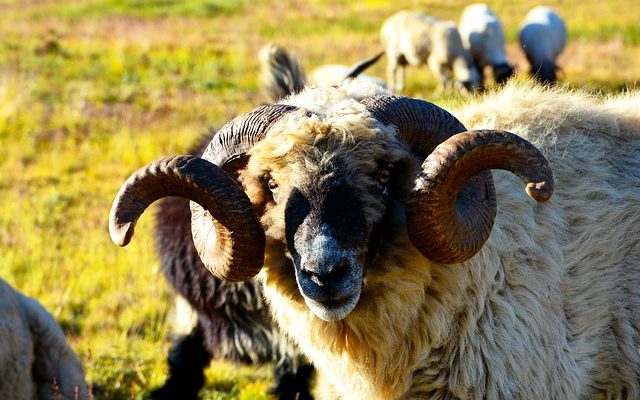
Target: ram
x,y
543,36
482,35
35,358
414,38
405,269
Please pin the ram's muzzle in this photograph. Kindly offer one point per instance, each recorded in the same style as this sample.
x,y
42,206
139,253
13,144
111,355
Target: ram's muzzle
x,y
327,240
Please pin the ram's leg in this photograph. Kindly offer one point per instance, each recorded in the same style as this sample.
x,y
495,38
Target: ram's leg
x,y
442,73
395,77
292,383
400,78
187,359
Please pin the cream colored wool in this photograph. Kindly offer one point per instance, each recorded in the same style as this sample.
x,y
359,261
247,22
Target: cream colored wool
x,y
333,74
550,306
415,38
35,360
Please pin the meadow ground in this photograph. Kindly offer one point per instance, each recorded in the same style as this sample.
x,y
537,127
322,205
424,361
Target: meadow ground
x,y
91,90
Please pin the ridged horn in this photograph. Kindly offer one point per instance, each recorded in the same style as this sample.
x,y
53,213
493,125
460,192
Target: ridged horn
x,y
240,134
423,126
238,252
450,226
227,150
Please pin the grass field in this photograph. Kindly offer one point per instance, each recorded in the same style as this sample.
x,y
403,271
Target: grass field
x,y
91,90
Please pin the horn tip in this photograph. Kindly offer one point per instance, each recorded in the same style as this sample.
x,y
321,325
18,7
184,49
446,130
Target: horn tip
x,y
121,234
539,191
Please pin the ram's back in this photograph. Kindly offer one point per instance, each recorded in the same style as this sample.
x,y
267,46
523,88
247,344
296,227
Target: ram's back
x,y
584,253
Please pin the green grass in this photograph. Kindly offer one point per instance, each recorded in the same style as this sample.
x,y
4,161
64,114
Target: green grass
x,y
136,8
92,90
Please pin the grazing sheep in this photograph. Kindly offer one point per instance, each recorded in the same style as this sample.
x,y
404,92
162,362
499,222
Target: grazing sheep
x,y
482,34
35,360
335,74
281,73
543,36
388,252
414,38
232,322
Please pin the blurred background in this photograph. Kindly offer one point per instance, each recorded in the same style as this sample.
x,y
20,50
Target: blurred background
x,y
91,90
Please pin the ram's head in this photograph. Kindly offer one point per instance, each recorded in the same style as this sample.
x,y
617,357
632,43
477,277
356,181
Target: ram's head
x,y
327,187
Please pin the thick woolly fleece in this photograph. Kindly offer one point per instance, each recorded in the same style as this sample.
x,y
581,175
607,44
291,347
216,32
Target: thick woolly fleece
x,y
549,308
36,361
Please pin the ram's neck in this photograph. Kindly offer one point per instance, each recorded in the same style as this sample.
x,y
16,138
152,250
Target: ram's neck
x,y
400,318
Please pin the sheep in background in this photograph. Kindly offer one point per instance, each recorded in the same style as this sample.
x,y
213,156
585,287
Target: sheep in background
x,y
414,38
281,73
482,34
543,36
335,74
404,278
232,320
35,358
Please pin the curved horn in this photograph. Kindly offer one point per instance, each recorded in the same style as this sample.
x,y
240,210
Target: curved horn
x,y
226,150
423,126
240,134
238,252
359,68
451,228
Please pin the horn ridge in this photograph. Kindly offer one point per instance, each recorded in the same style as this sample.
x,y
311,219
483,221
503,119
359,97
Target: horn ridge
x,y
240,134
424,126
237,250
450,225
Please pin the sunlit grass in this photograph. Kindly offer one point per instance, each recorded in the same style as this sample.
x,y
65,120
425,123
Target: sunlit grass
x,y
138,8
92,90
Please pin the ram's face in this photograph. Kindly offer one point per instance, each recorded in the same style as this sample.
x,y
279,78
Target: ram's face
x,y
330,190
325,191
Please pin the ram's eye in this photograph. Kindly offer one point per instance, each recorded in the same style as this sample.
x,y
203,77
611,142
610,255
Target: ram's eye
x,y
384,174
273,187
272,184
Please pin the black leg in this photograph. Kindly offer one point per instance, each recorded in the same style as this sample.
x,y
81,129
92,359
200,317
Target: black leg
x,y
290,384
188,358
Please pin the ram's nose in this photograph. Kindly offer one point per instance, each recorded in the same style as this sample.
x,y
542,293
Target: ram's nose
x,y
327,273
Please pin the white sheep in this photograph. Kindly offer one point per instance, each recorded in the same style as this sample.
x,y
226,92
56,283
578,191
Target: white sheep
x,y
543,36
35,358
404,278
482,34
414,38
281,73
334,74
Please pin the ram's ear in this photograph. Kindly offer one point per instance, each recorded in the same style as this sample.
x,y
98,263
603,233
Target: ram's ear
x,y
255,187
403,170
234,166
